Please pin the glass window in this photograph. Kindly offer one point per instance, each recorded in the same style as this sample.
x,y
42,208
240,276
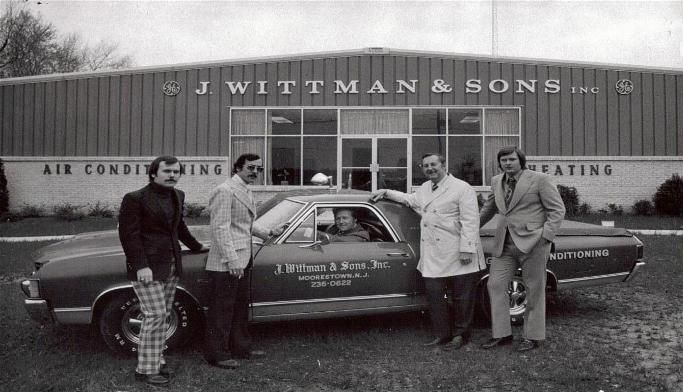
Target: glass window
x,y
248,122
423,145
502,122
357,153
283,163
374,121
305,232
464,121
391,152
279,214
464,158
320,122
366,220
320,156
429,121
284,121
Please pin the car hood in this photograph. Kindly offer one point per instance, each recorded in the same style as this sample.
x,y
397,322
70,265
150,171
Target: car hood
x,y
97,243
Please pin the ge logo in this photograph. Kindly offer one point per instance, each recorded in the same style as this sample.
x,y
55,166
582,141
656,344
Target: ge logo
x,y
624,87
171,88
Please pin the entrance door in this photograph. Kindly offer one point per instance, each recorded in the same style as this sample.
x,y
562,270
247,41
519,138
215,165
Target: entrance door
x,y
372,163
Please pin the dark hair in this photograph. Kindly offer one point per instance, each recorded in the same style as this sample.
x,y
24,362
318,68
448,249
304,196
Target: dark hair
x,y
338,209
154,166
442,158
507,150
239,163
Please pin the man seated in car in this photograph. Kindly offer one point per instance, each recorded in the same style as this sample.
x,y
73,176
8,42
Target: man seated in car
x,y
346,227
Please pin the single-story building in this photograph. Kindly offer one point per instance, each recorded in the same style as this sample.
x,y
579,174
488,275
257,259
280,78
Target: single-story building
x,y
363,118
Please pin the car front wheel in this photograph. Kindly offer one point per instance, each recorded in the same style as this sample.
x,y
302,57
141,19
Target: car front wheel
x,y
516,294
121,319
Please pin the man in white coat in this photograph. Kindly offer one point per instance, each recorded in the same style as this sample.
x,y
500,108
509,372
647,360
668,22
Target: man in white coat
x,y
451,256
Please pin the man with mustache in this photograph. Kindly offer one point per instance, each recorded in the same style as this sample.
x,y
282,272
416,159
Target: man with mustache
x,y
451,256
150,225
228,266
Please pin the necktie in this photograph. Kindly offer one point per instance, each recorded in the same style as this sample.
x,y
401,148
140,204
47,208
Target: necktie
x,y
510,191
434,187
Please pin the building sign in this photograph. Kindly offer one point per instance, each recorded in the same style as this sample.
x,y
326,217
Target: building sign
x,y
399,86
573,169
125,169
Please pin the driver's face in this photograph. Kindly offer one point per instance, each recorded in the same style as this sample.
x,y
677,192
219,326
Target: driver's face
x,y
344,220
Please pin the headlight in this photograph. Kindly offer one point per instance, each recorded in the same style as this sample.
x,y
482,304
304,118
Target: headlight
x,y
31,288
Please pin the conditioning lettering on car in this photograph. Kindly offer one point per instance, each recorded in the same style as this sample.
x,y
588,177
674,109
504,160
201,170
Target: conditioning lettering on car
x,y
579,254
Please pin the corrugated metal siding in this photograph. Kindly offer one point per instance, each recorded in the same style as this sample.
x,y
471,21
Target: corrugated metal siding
x,y
128,115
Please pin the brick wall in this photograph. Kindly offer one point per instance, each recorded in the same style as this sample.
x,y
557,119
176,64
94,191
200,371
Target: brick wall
x,y
46,181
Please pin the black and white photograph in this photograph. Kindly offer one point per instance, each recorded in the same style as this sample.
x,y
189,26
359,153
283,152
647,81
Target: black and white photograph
x,y
304,196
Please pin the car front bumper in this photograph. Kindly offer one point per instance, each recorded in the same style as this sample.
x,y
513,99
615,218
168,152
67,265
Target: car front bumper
x,y
39,310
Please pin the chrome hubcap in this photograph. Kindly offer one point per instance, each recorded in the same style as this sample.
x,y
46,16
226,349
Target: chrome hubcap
x,y
131,323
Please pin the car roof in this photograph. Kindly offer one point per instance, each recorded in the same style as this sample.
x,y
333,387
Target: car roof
x,y
351,196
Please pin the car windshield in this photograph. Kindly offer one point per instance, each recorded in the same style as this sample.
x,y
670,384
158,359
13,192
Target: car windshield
x,y
280,213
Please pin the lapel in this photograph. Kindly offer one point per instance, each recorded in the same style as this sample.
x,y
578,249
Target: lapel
x,y
242,195
500,194
522,187
442,189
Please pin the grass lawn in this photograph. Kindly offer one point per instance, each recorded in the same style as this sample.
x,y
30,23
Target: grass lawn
x,y
623,337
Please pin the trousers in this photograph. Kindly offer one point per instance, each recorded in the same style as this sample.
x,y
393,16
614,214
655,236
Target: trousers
x,y
503,268
227,333
451,304
156,304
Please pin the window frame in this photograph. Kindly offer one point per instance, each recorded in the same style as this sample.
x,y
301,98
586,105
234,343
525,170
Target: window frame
x,y
485,155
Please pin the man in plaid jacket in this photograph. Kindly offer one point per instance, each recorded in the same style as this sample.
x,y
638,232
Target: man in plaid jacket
x,y
150,226
228,266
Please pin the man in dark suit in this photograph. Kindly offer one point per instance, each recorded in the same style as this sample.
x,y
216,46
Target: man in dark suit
x,y
150,226
530,212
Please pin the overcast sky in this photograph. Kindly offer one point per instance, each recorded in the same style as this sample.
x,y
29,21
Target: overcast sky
x,y
648,33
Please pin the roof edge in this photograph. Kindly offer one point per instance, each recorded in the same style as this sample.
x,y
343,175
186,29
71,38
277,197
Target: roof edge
x,y
338,53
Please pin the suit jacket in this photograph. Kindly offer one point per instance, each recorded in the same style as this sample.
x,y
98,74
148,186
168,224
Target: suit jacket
x,y
449,225
148,238
535,211
233,213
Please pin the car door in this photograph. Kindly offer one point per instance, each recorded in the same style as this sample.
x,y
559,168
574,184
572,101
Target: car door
x,y
299,274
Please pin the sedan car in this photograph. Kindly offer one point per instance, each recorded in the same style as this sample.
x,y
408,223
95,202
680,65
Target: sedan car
x,y
301,274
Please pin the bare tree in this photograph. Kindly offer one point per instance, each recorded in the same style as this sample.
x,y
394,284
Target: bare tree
x,y
31,46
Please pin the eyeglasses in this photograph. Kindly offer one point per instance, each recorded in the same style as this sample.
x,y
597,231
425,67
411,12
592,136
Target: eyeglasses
x,y
428,165
254,168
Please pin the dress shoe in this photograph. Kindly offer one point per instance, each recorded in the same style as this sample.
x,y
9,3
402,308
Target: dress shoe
x,y
528,344
493,342
437,342
165,370
250,354
151,379
454,344
225,364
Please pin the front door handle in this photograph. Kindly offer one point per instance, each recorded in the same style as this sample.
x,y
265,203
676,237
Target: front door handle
x,y
398,255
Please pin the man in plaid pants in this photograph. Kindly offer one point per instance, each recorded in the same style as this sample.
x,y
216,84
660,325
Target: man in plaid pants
x,y
150,226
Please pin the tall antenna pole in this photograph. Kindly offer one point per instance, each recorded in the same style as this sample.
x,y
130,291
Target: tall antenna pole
x,y
494,29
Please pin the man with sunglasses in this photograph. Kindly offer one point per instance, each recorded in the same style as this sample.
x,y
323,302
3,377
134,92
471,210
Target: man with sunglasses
x,y
228,266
